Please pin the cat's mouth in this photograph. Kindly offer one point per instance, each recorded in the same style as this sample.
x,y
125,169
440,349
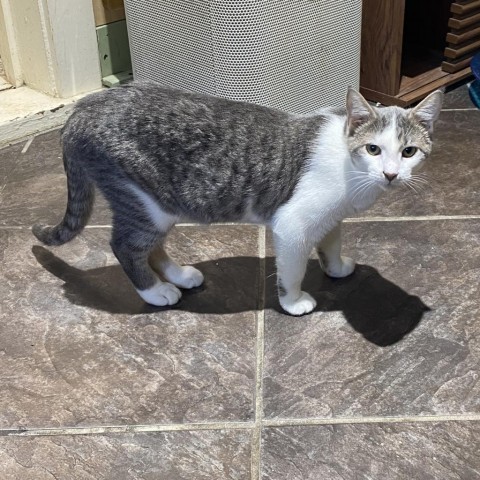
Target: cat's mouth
x,y
389,186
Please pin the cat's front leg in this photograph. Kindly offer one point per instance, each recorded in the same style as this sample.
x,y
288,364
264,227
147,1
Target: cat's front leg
x,y
331,261
292,257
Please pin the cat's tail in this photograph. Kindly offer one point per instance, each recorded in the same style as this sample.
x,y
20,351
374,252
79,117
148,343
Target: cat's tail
x,y
81,195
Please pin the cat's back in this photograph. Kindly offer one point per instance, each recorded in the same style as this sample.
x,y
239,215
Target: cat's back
x,y
147,107
155,123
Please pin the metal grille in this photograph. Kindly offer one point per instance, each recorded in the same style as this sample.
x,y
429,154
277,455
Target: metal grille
x,y
295,55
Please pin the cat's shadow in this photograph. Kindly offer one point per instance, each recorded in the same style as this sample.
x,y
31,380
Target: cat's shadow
x,y
375,307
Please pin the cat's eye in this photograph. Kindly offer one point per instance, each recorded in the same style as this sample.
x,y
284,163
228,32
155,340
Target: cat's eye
x,y
373,149
409,152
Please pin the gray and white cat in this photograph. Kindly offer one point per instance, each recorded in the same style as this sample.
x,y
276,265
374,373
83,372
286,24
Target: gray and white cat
x,y
162,156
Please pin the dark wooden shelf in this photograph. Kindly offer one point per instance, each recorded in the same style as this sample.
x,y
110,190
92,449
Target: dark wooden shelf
x,y
461,23
405,55
458,38
465,8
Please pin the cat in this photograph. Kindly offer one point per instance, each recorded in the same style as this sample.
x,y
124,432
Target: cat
x,y
162,156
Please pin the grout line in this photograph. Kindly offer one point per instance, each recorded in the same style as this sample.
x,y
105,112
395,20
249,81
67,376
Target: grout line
x,y
297,422
255,427
419,218
260,348
27,145
411,219
88,227
221,224
406,218
15,227
469,109
206,224
33,432
346,220
29,227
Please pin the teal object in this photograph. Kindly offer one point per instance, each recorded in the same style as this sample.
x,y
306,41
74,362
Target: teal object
x,y
474,89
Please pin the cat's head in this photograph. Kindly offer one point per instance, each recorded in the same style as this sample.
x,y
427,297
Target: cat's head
x,y
386,144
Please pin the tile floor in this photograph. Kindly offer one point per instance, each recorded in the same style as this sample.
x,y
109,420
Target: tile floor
x,y
380,382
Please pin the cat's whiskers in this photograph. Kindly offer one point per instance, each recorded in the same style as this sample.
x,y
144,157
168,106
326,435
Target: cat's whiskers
x,y
421,174
414,187
355,175
363,188
419,179
426,178
421,182
359,186
350,180
358,175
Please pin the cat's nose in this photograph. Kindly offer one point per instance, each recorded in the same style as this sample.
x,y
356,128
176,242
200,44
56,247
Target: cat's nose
x,y
390,176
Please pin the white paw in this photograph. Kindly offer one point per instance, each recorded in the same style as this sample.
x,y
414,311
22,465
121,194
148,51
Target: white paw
x,y
339,270
302,305
186,277
161,294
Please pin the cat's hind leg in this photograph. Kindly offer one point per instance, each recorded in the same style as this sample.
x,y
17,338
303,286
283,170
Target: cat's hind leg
x,y
132,242
181,276
329,249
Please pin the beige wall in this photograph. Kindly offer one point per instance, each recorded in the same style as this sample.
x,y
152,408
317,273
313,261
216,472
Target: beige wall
x,y
8,48
55,45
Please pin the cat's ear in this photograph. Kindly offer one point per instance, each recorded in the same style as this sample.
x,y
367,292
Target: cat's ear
x,y
358,110
428,110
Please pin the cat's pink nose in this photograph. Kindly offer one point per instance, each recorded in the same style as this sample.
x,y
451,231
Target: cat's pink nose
x,y
390,176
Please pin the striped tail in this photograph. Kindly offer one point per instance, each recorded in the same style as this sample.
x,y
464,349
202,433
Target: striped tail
x,y
81,195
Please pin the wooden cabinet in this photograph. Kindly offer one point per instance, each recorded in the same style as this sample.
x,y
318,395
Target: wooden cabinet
x,y
412,47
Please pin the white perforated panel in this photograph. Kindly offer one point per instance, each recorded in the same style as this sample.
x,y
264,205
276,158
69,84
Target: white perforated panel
x,y
296,55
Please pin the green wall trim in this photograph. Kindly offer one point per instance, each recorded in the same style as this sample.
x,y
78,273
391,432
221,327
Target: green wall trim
x,y
113,48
